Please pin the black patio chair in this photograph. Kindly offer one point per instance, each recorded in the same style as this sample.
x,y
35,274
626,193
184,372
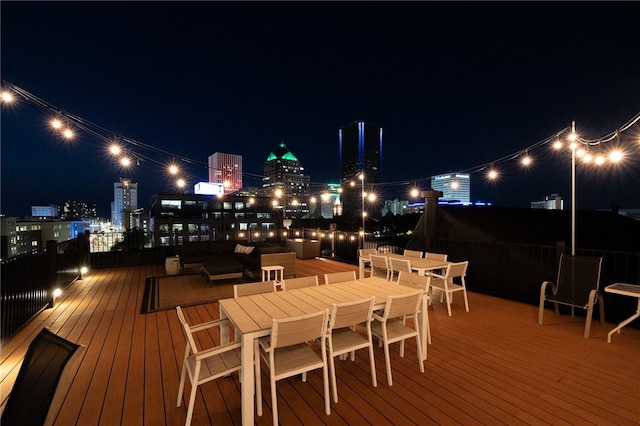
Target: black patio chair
x,y
41,371
577,286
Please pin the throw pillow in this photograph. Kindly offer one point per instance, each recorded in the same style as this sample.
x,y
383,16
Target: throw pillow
x,y
243,249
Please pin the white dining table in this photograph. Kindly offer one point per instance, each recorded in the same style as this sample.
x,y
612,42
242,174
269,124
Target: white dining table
x,y
418,264
251,317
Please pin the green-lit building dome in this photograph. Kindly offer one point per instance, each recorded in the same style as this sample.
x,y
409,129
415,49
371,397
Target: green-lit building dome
x,y
282,170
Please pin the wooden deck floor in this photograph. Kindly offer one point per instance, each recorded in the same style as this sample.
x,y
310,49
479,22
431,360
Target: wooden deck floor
x,y
493,365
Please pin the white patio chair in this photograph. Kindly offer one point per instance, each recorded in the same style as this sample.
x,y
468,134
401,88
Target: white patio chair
x,y
447,286
417,282
287,353
343,337
364,253
391,326
413,253
434,256
300,282
339,277
397,265
379,266
253,288
202,366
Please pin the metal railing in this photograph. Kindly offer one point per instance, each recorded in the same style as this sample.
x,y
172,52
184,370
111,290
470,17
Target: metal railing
x,y
29,281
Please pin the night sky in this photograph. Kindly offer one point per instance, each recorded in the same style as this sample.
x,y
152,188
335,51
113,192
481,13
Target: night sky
x,y
454,86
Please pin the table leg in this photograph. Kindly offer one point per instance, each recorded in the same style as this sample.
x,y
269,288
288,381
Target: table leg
x,y
625,322
247,385
224,329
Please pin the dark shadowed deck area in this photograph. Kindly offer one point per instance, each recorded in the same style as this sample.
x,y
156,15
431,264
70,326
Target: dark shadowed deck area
x,y
493,365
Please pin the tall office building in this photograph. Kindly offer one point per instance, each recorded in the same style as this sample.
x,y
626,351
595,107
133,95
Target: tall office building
x,y
455,187
282,170
125,202
226,169
360,152
550,202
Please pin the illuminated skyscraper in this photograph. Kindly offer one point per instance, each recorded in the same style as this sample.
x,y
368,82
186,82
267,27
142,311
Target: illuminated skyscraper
x,y
455,187
125,201
360,152
226,169
283,171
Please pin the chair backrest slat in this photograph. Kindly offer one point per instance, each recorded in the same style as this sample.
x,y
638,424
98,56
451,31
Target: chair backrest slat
x,y
435,256
291,331
413,253
338,277
253,288
351,313
406,304
413,280
300,282
378,264
458,269
398,265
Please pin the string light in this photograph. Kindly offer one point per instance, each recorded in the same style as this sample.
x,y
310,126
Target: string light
x,y
526,159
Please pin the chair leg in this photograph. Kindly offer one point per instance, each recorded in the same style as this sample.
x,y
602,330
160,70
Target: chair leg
x,y
388,362
466,301
372,362
274,399
419,347
181,388
325,379
192,400
332,368
448,296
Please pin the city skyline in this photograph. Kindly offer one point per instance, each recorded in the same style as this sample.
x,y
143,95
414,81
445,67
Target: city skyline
x,y
454,85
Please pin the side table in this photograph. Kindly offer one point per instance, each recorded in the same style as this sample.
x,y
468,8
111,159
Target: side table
x,y
277,271
625,290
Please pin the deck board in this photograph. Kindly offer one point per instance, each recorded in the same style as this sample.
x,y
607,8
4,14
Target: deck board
x,y
491,365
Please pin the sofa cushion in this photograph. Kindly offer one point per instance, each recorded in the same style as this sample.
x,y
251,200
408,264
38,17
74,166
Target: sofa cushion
x,y
243,249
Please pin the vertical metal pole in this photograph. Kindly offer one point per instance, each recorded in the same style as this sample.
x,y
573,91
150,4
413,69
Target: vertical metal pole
x,y
573,192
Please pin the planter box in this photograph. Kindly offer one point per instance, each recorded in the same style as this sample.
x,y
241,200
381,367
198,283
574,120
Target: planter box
x,y
305,249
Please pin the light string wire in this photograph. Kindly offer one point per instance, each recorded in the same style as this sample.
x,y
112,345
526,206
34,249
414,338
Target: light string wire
x,y
114,137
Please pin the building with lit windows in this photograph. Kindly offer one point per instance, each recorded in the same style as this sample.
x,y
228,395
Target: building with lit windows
x,y
125,202
550,202
455,187
360,152
226,169
175,218
76,210
285,181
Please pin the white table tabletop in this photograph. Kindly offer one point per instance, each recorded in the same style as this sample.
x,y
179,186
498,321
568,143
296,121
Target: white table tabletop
x,y
631,290
252,317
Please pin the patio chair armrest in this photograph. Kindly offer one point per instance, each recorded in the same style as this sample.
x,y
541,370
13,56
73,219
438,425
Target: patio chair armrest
x,y
435,275
543,288
217,350
209,324
375,316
